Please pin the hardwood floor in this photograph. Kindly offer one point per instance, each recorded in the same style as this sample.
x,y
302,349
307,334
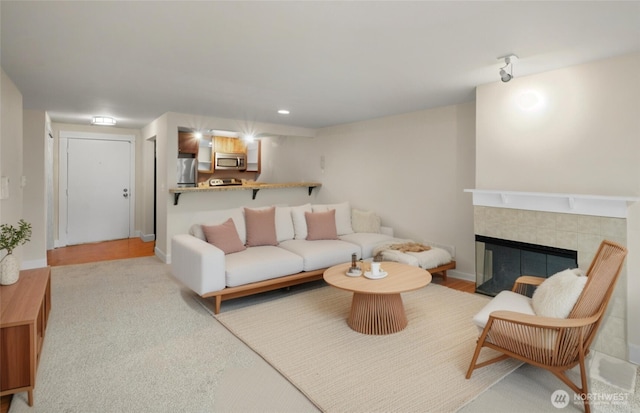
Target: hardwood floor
x,y
135,247
456,284
100,251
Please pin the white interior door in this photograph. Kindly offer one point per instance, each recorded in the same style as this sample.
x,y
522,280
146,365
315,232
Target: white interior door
x,y
98,190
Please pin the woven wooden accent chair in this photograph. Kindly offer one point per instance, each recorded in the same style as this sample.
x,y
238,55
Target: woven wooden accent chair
x,y
556,344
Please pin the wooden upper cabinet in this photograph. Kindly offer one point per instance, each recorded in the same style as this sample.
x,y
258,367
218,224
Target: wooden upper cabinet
x,y
224,144
187,143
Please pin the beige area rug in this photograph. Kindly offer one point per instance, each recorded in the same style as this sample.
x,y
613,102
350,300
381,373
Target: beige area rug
x,y
124,336
420,369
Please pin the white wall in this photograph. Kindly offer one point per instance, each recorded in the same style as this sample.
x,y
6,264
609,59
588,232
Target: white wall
x,y
34,200
582,138
11,154
411,169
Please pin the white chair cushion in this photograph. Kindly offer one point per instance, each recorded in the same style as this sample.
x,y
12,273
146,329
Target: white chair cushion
x,y
507,301
510,301
557,295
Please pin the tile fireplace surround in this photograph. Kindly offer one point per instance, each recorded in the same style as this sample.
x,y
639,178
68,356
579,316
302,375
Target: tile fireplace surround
x,y
571,222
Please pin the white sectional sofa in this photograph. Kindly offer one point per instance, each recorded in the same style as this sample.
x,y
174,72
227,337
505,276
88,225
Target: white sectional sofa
x,y
275,247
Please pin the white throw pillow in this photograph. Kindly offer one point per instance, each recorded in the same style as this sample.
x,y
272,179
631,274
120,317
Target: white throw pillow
x,y
284,224
343,216
557,295
365,221
299,220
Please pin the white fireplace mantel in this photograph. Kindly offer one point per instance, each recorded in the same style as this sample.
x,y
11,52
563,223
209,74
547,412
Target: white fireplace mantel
x,y
597,205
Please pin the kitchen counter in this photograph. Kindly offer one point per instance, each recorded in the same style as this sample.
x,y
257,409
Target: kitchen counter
x,y
254,186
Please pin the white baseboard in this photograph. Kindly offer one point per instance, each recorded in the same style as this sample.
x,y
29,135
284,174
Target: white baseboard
x,y
461,275
164,257
144,237
148,237
634,353
27,265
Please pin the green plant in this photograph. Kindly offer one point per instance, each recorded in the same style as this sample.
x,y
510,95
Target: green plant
x,y
11,237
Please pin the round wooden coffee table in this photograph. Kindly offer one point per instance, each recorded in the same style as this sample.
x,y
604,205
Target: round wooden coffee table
x,y
377,306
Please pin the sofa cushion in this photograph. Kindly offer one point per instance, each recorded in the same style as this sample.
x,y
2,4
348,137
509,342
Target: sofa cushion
x,y
299,221
321,225
321,253
366,242
365,221
261,226
507,301
224,236
343,216
260,263
557,295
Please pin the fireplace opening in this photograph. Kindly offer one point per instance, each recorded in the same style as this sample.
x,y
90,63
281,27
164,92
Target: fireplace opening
x,y
500,262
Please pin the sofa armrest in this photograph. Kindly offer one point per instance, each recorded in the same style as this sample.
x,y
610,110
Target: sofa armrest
x,y
198,264
386,231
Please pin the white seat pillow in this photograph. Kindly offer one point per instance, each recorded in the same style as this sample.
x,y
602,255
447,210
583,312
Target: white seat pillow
x,y
557,295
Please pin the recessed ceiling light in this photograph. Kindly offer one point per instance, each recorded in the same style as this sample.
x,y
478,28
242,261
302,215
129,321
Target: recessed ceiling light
x,y
103,121
283,112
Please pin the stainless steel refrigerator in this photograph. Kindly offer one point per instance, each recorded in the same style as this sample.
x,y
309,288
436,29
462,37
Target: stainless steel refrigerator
x,y
187,172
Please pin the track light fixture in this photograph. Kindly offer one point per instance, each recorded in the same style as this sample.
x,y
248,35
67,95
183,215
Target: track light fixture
x,y
509,60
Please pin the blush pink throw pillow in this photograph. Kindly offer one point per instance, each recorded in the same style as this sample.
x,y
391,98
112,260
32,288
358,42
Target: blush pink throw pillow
x,y
321,225
224,236
261,226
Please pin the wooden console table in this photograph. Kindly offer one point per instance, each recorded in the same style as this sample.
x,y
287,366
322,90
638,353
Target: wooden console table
x,y
24,312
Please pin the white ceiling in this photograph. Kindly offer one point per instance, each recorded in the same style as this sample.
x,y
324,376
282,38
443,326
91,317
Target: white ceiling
x,y
328,62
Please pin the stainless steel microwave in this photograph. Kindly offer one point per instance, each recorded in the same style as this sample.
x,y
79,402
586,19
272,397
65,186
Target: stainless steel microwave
x,y
230,161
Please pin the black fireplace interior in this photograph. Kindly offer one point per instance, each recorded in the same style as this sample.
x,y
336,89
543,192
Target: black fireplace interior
x,y
499,262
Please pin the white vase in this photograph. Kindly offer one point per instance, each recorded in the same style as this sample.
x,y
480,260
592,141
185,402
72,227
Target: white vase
x,y
9,270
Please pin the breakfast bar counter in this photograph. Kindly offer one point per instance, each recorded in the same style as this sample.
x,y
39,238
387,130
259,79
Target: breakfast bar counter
x,y
253,186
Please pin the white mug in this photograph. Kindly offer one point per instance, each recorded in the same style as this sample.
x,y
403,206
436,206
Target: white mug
x,y
375,268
